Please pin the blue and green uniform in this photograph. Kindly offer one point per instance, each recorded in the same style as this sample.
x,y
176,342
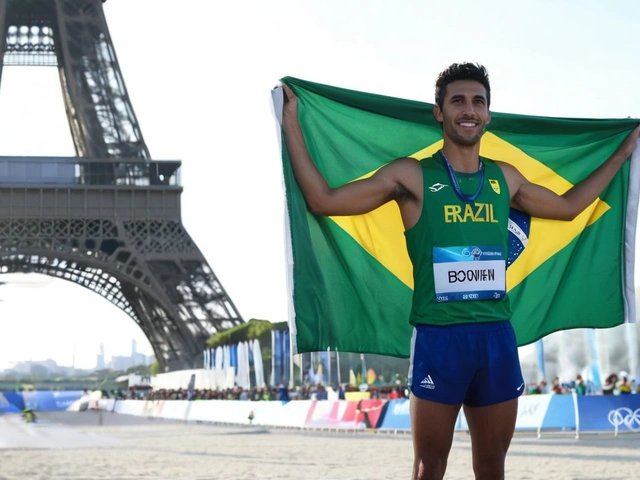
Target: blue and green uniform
x,y
463,347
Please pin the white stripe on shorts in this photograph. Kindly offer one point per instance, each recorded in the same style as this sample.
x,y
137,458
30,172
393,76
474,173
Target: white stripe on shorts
x,y
413,348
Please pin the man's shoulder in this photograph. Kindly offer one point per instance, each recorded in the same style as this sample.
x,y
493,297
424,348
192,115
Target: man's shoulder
x,y
496,164
404,163
426,162
499,163
411,160
487,160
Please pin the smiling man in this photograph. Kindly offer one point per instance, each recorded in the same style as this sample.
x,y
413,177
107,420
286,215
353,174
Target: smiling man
x,y
455,210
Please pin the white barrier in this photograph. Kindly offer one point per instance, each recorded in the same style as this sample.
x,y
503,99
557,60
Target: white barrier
x,y
107,404
296,414
221,411
272,414
130,407
329,413
535,412
80,405
172,409
539,413
531,412
290,414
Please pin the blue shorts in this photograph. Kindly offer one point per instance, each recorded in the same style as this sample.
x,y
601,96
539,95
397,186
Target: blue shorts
x,y
476,364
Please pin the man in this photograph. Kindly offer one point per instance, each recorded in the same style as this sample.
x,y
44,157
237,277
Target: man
x,y
455,208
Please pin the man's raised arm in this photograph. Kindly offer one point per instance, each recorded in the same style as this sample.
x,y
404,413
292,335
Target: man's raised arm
x,y
541,202
354,198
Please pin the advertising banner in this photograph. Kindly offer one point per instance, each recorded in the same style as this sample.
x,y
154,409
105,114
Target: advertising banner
x,y
531,411
396,416
11,402
606,412
51,401
561,413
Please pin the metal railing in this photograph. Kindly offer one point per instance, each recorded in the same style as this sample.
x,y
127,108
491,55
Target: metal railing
x,y
56,171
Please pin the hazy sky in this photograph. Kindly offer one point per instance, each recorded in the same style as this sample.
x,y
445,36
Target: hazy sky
x,y
199,75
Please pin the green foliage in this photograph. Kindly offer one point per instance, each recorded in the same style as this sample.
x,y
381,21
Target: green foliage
x,y
155,368
251,330
139,370
266,353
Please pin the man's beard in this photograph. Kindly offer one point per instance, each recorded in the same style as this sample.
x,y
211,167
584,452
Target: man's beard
x,y
464,141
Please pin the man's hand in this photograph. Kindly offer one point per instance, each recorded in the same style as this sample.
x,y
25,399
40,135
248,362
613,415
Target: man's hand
x,y
629,144
290,99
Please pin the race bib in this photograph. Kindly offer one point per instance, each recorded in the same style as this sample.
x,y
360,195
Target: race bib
x,y
469,273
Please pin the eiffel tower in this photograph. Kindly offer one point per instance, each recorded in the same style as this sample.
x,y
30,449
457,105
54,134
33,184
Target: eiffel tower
x,y
109,218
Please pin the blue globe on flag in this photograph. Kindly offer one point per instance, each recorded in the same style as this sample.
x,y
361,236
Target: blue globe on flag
x,y
519,226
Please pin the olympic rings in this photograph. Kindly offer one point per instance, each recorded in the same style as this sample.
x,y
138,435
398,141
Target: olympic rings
x,y
625,416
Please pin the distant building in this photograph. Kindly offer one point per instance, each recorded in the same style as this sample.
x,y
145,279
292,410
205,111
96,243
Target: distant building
x,y
100,363
42,368
121,363
139,359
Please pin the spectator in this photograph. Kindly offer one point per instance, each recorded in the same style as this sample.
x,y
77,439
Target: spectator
x,y
557,388
321,393
580,387
284,393
623,386
610,384
543,387
394,395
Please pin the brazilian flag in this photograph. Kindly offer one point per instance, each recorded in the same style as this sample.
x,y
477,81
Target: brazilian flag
x,y
351,278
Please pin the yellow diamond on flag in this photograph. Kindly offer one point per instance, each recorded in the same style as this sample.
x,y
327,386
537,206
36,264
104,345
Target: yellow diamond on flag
x,y
381,232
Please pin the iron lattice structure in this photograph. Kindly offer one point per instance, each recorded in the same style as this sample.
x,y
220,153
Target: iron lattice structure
x,y
109,218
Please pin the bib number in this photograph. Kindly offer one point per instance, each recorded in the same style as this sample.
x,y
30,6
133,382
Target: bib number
x,y
469,273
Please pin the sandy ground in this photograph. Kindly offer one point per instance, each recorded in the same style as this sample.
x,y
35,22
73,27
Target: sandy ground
x,y
81,446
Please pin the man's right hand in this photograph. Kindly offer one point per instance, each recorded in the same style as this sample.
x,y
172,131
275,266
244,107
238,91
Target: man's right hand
x,y
400,179
290,99
629,143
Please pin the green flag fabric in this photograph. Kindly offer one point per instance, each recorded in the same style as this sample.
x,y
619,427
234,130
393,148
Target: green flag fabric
x,y
351,278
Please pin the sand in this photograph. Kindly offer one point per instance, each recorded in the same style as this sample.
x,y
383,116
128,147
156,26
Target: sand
x,y
81,446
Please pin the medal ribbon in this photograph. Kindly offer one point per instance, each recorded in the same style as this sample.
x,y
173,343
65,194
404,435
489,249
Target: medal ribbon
x,y
456,185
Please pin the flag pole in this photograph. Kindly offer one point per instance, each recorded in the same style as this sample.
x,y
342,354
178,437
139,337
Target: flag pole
x,y
291,382
541,366
338,367
301,365
596,363
273,358
632,347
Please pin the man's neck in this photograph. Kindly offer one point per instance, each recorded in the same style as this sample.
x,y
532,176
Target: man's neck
x,y
462,158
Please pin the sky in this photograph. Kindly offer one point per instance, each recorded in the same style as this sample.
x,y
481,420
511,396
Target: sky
x,y
199,76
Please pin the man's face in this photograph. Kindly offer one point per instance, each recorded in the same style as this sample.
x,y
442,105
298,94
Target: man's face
x,y
464,112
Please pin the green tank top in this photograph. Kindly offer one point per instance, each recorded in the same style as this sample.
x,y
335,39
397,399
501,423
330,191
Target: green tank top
x,y
459,249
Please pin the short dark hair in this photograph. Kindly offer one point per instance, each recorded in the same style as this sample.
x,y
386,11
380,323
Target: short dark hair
x,y
462,71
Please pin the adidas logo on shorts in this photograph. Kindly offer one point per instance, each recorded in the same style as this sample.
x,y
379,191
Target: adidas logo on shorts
x,y
428,383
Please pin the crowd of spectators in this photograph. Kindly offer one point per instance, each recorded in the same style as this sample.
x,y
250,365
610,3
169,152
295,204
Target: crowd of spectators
x,y
619,386
611,386
280,393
